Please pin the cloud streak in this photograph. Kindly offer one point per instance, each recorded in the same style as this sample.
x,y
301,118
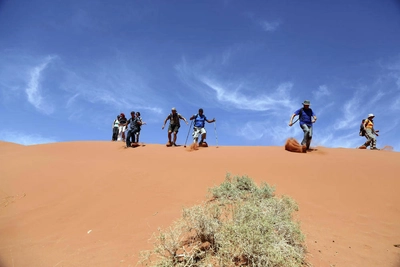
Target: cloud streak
x,y
238,94
268,26
239,100
33,90
321,92
24,138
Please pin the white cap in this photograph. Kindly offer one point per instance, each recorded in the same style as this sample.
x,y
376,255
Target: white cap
x,y
371,115
173,108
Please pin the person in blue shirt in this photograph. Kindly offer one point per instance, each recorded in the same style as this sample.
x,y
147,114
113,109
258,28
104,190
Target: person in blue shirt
x,y
199,123
306,117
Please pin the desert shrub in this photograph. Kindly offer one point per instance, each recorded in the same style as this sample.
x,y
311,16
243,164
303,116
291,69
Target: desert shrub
x,y
241,224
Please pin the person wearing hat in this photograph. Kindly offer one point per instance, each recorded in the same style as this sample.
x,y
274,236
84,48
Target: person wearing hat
x,y
306,117
174,124
370,133
115,128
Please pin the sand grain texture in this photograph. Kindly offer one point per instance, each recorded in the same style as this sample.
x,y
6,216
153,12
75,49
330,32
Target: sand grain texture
x,y
97,204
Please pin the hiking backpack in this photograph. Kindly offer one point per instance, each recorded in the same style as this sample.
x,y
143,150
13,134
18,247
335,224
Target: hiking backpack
x,y
362,130
196,116
301,114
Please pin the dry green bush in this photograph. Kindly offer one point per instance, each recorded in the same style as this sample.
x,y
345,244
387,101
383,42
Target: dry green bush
x,y
240,225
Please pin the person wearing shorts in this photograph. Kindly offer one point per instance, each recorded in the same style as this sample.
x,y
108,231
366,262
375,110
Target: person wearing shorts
x,y
174,125
199,123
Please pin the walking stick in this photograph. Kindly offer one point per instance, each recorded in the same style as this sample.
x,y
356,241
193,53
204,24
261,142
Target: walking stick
x,y
215,132
188,133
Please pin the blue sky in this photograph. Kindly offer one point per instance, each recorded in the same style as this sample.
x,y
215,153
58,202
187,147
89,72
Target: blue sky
x,y
67,68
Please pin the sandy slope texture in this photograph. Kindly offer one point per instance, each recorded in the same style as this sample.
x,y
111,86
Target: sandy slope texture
x,y
97,204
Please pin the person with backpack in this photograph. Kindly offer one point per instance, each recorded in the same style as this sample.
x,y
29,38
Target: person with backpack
x,y
367,130
174,124
199,123
306,117
140,126
115,128
133,125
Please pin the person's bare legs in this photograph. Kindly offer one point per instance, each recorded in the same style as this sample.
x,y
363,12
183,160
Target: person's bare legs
x,y
175,136
169,136
203,137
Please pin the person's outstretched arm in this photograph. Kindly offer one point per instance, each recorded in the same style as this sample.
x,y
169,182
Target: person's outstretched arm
x,y
291,120
315,119
165,122
183,118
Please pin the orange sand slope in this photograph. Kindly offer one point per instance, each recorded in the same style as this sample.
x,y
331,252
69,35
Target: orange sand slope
x,y
97,204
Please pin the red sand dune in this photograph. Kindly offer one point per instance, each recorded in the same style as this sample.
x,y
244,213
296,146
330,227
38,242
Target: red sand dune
x,y
97,204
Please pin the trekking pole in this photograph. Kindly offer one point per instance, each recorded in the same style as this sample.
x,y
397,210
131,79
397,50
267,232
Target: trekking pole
x,y
188,133
215,132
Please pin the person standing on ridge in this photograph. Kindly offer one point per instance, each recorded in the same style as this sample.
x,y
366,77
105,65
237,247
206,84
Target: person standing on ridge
x,y
174,125
122,127
370,133
115,128
199,123
306,117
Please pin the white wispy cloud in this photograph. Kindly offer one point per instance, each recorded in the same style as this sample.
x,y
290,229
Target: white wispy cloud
x,y
33,91
350,112
240,93
269,26
241,101
394,70
321,91
252,130
395,106
24,138
266,25
268,130
335,140
118,87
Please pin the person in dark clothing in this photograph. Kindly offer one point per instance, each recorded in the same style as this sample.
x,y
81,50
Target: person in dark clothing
x,y
115,128
139,118
133,125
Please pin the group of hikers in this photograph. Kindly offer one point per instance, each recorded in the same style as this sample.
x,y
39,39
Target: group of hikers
x,y
307,117
129,130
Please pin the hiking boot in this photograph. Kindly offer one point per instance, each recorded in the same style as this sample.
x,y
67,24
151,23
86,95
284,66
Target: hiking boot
x,y
374,148
362,147
201,142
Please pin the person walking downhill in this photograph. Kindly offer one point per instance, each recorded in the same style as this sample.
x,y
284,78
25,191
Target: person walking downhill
x,y
370,133
306,117
199,130
122,127
133,127
115,128
139,118
174,124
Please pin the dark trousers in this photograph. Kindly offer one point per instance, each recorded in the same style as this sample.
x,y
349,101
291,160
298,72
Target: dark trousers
x,y
130,134
115,134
